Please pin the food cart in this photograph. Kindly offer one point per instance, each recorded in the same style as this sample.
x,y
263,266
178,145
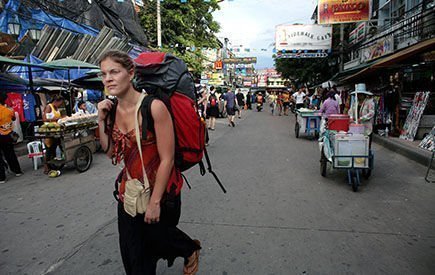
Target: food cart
x,y
77,140
308,122
347,151
346,146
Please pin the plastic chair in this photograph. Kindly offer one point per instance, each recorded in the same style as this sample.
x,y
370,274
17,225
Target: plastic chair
x,y
35,151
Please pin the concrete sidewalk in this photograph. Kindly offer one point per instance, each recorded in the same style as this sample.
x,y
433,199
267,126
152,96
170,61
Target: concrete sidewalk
x,y
406,148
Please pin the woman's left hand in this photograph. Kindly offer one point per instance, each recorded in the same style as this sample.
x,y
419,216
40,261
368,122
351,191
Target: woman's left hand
x,y
152,214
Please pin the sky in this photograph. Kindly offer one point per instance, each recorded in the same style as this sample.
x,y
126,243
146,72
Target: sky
x,y
251,24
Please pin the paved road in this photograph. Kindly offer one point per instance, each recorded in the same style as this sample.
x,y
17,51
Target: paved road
x,y
279,216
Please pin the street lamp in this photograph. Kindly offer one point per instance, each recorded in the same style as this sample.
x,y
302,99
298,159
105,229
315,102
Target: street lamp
x,y
14,25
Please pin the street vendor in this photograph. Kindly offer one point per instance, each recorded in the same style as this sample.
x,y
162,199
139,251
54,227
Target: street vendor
x,y
362,109
82,108
52,114
329,107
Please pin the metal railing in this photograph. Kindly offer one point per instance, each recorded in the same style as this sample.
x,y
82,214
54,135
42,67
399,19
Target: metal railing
x,y
412,27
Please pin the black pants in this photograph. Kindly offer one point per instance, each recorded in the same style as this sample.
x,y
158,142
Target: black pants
x,y
142,245
299,105
7,151
50,152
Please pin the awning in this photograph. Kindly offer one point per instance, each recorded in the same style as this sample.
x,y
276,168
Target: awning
x,y
397,57
69,63
9,61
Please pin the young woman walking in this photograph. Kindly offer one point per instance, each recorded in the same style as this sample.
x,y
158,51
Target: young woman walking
x,y
145,238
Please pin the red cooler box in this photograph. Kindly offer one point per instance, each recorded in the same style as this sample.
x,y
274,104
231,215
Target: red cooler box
x,y
338,122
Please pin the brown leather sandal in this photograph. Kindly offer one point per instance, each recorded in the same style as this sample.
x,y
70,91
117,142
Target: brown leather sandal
x,y
193,262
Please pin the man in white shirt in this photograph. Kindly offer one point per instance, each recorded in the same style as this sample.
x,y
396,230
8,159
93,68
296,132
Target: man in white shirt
x,y
299,98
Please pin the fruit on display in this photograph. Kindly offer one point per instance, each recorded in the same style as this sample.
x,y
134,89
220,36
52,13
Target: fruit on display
x,y
50,127
78,119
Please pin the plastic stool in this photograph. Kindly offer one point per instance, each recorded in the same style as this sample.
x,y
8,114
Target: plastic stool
x,y
35,151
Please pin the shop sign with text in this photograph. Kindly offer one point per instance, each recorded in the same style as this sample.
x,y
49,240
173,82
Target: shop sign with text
x,y
358,34
303,37
343,11
240,60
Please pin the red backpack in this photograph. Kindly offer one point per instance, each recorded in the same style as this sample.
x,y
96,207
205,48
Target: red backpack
x,y
165,77
213,101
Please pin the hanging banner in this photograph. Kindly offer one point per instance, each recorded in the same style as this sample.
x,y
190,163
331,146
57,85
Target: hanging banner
x,y
301,55
339,11
303,37
240,60
377,49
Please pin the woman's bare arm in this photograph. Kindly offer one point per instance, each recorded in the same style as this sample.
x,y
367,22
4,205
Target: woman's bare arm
x,y
164,129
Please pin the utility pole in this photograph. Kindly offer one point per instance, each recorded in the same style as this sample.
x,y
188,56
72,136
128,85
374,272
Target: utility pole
x,y
341,68
224,55
159,26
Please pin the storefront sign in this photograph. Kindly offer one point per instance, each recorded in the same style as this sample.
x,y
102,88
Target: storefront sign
x,y
379,48
343,11
240,60
218,65
301,55
358,34
303,37
216,79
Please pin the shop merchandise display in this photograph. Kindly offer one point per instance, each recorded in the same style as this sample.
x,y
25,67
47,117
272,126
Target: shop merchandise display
x,y
413,119
428,142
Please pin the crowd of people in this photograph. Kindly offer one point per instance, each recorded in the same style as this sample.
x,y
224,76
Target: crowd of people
x,y
145,238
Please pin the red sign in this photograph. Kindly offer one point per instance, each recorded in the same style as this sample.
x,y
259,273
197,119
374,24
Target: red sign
x,y
218,65
343,11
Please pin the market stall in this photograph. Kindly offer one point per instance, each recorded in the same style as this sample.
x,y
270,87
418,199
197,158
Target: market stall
x,y
77,140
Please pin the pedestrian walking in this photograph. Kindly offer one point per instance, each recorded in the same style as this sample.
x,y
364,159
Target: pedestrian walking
x,y
279,103
299,98
230,106
272,102
260,101
249,100
286,102
145,238
240,102
7,116
212,110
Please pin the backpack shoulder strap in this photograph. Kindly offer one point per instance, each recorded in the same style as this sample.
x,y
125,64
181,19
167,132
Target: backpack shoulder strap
x,y
145,109
147,119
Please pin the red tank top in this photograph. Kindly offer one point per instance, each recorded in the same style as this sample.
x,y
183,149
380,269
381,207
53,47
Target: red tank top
x,y
125,148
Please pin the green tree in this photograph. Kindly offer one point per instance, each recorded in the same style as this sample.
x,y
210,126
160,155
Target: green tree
x,y
186,28
305,70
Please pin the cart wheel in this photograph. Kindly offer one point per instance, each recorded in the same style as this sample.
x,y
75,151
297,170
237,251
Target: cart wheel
x,y
355,181
297,128
82,159
323,164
